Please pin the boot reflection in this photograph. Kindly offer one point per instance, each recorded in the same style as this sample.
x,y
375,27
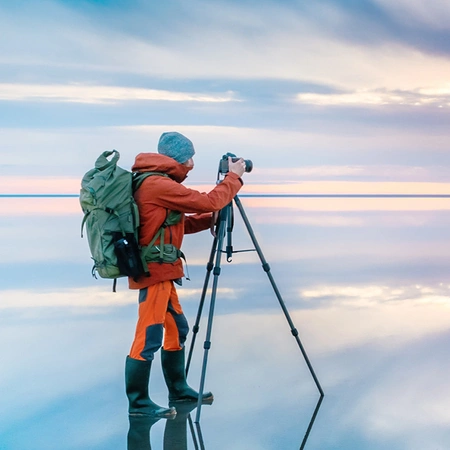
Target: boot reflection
x,y
175,433
139,432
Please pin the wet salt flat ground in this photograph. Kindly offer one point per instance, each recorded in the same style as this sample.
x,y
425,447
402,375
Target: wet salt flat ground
x,y
366,282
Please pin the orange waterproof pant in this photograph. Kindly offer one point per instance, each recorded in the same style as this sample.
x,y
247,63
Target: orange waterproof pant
x,y
160,314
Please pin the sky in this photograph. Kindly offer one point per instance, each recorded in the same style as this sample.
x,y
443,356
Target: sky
x,y
328,97
324,97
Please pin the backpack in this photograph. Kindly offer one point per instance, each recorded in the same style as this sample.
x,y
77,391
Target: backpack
x,y
111,218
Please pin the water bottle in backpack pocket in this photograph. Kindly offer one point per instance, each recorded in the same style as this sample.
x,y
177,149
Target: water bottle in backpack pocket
x,y
128,255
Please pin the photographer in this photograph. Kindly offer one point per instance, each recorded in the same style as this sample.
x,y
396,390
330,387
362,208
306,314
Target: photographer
x,y
158,199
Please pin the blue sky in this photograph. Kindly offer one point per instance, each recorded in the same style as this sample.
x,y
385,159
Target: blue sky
x,y
344,90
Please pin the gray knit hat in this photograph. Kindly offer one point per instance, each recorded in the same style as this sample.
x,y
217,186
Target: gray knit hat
x,y
177,146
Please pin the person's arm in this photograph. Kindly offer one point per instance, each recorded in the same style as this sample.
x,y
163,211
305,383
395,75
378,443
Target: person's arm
x,y
197,222
175,196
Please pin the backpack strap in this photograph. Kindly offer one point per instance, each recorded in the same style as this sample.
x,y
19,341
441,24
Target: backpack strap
x,y
139,177
148,251
164,252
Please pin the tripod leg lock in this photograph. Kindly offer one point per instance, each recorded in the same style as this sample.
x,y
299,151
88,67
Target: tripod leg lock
x,y
294,332
216,271
207,345
266,267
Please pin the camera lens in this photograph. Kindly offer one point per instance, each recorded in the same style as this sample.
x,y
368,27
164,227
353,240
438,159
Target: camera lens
x,y
248,163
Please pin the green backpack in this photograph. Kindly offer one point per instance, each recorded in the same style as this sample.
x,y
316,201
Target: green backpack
x,y
111,218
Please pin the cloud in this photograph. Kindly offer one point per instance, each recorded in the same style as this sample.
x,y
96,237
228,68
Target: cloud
x,y
398,313
434,14
298,45
88,299
370,295
53,160
376,172
436,96
352,187
101,94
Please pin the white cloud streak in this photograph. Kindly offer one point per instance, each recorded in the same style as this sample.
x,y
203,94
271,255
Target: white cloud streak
x,y
437,96
369,295
86,298
77,93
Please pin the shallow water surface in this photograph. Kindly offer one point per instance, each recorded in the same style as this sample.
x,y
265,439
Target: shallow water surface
x,y
365,281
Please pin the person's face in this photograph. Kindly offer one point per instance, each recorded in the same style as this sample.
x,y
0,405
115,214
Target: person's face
x,y
189,163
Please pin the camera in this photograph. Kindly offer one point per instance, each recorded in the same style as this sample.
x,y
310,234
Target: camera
x,y
223,164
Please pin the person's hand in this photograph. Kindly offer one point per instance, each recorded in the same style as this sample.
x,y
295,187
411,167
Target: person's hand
x,y
237,167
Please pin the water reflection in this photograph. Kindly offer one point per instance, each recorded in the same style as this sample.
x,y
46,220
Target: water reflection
x,y
181,428
368,289
138,437
175,432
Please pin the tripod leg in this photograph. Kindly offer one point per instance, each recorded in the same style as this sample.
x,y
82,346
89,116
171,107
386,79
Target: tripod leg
x,y
216,273
200,436
191,427
311,422
196,327
230,225
266,269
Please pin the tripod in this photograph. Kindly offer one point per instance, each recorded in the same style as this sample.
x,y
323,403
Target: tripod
x,y
224,228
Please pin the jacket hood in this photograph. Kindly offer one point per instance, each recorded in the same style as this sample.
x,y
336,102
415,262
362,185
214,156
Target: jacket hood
x,y
154,162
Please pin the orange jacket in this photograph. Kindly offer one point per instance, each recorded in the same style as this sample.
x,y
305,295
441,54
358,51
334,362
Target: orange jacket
x,y
159,194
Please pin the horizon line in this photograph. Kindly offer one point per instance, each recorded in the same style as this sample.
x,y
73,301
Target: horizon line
x,y
261,195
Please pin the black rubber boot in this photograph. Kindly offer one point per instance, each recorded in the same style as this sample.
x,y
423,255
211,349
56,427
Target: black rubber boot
x,y
173,365
137,377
